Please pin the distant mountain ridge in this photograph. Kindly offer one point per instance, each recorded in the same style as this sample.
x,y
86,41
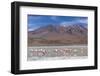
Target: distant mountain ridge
x,y
61,29
59,34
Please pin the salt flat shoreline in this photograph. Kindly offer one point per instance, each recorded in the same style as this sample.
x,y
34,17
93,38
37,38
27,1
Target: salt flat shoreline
x,y
58,46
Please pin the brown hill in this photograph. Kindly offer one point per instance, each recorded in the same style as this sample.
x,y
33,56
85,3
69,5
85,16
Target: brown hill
x,y
58,35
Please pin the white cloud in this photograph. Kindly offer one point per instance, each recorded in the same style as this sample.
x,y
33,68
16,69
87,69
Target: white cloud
x,y
30,29
54,18
83,21
65,23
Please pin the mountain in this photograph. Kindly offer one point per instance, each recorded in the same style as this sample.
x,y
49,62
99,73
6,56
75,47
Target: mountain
x,y
58,35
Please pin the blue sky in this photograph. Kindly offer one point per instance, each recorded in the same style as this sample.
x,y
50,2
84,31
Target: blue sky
x,y
36,21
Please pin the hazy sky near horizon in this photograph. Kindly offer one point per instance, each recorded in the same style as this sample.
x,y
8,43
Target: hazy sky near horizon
x,y
36,21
